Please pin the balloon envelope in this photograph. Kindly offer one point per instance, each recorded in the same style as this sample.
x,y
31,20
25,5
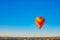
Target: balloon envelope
x,y
40,21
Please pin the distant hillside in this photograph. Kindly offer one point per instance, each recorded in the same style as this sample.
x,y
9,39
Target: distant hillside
x,y
29,38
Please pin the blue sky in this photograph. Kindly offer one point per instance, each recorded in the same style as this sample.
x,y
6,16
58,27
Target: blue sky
x,y
18,17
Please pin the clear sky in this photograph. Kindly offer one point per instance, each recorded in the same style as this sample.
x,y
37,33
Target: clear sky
x,y
18,17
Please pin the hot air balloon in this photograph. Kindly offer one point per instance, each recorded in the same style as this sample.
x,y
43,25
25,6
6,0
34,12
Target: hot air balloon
x,y
40,21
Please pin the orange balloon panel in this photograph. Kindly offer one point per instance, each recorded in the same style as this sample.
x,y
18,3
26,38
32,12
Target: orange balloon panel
x,y
40,21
